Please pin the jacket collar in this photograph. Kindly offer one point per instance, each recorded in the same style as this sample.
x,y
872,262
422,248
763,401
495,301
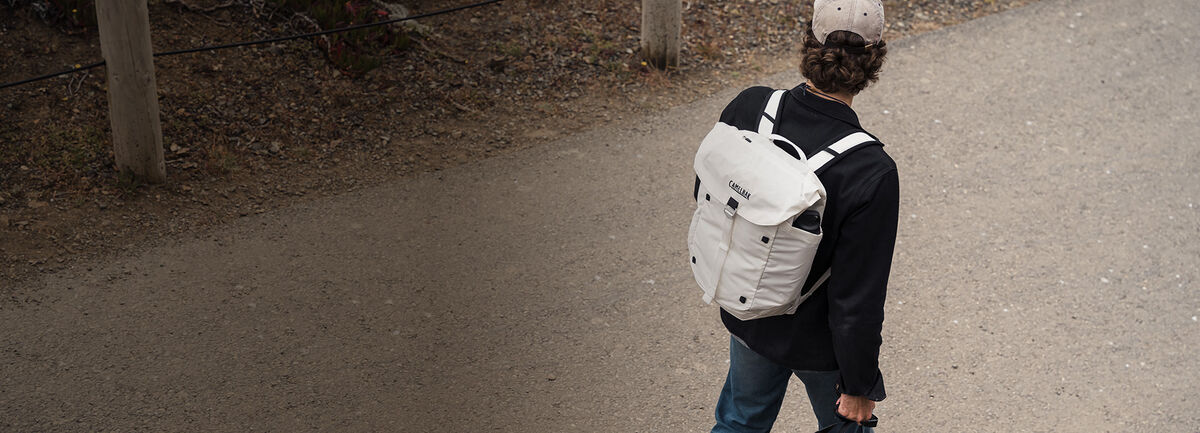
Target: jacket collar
x,y
824,106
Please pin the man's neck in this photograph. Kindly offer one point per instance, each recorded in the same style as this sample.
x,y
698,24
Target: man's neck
x,y
842,97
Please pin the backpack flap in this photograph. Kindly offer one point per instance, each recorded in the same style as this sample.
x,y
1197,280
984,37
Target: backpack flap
x,y
767,184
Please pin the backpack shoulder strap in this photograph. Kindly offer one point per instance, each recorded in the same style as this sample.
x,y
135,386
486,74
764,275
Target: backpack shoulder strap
x,y
766,123
843,146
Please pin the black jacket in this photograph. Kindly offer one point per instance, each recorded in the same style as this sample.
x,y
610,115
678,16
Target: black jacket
x,y
838,328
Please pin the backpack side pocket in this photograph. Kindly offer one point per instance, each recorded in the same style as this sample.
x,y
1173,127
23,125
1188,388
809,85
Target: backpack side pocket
x,y
788,266
705,235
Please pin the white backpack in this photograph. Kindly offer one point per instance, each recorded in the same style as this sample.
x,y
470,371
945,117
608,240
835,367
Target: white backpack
x,y
758,217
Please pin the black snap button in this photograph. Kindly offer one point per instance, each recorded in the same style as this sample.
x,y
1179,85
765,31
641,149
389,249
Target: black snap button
x,y
707,197
693,259
742,299
766,239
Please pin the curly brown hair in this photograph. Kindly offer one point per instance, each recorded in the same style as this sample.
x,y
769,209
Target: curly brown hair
x,y
844,63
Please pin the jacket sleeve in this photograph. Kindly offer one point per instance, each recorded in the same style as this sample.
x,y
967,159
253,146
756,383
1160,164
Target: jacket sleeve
x,y
857,287
745,109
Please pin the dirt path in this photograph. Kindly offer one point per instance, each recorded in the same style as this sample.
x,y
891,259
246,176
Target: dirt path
x,y
1045,278
261,128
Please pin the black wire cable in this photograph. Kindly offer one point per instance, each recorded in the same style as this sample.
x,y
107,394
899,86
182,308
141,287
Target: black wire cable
x,y
259,42
52,75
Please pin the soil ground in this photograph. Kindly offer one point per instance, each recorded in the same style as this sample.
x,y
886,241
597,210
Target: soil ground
x,y
253,129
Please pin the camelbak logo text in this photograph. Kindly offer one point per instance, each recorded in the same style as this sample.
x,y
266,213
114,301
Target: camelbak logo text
x,y
738,189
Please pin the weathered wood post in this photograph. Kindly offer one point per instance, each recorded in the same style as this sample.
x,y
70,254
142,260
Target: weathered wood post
x,y
662,21
132,92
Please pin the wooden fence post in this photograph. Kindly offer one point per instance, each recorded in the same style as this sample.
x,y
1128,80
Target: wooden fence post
x,y
132,92
661,26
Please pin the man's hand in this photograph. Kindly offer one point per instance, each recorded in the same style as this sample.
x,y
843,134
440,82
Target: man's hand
x,y
854,408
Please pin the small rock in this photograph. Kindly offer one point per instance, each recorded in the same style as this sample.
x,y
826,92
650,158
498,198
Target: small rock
x,y
4,221
396,10
497,64
274,147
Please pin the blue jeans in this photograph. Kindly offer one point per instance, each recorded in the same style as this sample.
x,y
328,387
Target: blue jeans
x,y
754,389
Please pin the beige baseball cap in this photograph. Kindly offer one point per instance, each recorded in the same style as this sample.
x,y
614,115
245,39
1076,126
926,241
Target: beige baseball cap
x,y
863,17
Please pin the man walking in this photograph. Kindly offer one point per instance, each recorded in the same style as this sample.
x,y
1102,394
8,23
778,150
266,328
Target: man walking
x,y
831,343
